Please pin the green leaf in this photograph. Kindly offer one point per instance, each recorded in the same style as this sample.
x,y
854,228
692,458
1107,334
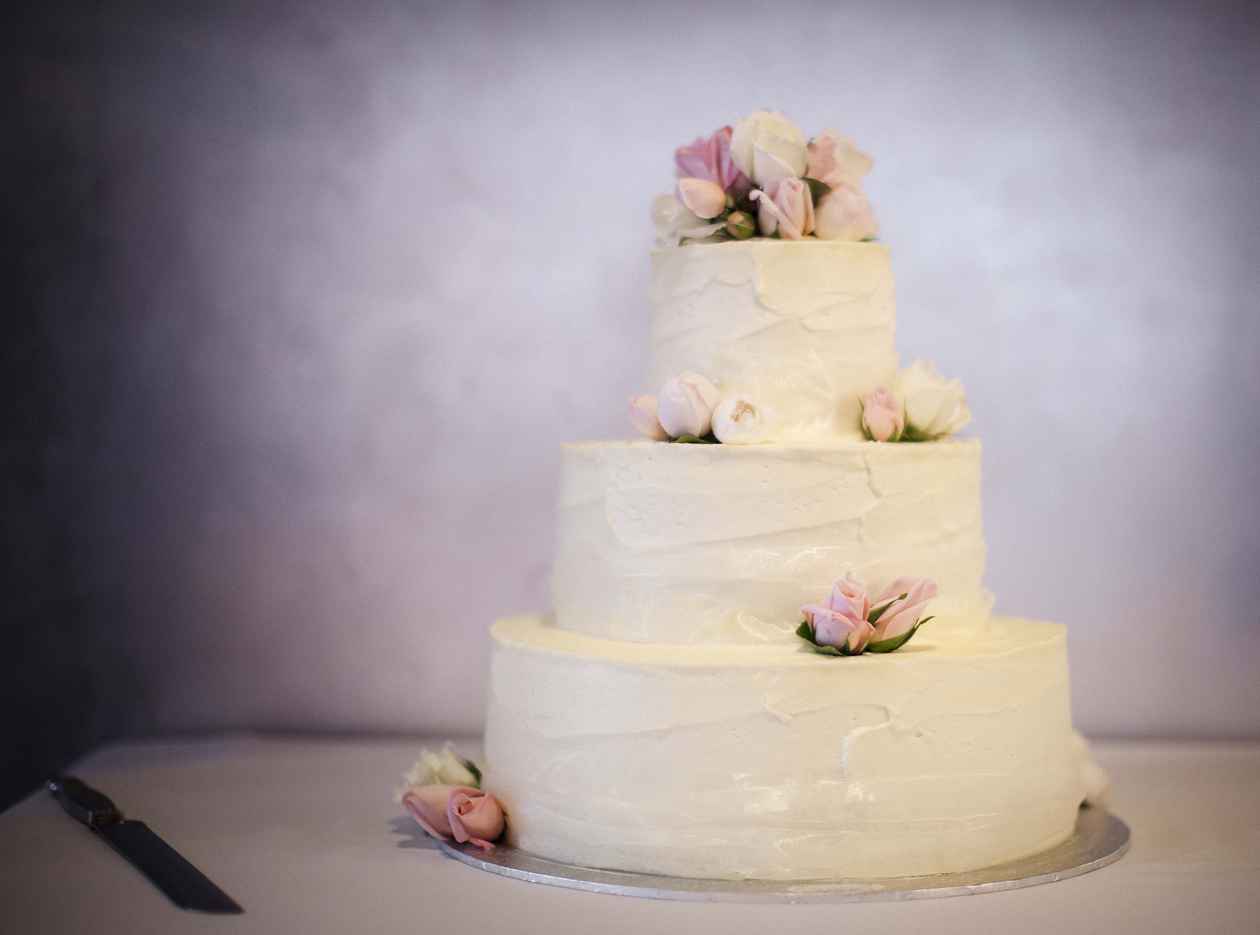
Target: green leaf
x,y
806,632
697,440
816,188
894,644
878,610
472,768
912,434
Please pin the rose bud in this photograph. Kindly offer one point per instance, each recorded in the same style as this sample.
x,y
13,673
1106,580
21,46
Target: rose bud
x,y
835,160
883,418
685,405
474,816
849,597
643,417
903,613
736,421
935,407
702,198
789,210
443,768
836,628
427,805
844,214
710,159
740,225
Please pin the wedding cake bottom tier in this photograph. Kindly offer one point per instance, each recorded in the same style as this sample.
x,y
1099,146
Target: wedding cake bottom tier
x,y
776,763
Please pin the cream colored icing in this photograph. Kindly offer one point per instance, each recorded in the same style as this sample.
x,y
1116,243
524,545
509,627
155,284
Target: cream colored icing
x,y
801,327
669,722
713,543
772,762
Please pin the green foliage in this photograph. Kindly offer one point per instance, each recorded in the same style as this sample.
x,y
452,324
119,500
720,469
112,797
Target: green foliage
x,y
878,610
709,439
806,632
892,645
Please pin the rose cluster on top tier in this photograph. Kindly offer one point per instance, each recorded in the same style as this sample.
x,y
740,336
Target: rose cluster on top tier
x,y
761,177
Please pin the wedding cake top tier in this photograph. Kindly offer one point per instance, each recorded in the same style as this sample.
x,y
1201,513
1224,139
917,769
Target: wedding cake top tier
x,y
802,327
773,316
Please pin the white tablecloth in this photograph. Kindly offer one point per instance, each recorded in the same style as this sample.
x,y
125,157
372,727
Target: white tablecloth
x,y
305,835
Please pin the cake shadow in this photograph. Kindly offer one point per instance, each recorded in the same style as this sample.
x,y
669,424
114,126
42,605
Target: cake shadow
x,y
414,837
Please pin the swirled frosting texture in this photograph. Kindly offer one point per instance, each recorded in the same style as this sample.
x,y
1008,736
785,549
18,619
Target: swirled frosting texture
x,y
772,763
802,327
719,544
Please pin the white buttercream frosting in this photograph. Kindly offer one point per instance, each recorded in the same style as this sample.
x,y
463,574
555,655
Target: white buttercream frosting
x,y
772,762
801,327
668,721
713,543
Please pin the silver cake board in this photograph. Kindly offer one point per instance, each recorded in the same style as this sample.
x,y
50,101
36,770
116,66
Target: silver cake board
x,y
1100,839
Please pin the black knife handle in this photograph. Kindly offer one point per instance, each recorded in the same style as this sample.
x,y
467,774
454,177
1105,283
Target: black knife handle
x,y
83,802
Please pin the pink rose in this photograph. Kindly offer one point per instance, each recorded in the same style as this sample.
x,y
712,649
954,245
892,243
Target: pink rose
x,y
474,816
685,405
832,628
643,417
883,417
904,612
701,197
789,209
841,622
710,159
844,214
835,160
427,805
848,596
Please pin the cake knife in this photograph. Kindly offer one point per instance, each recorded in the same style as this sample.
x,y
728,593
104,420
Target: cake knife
x,y
185,885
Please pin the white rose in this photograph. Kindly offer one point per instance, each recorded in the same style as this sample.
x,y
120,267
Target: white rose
x,y
935,407
444,768
768,147
736,421
674,222
685,404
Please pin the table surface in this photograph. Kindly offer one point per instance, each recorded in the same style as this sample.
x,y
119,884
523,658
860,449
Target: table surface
x,y
305,835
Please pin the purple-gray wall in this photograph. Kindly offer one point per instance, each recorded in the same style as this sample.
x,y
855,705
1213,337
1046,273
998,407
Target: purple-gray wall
x,y
317,289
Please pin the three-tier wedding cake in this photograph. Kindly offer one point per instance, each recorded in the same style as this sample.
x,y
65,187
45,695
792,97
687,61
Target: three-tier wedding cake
x,y
728,687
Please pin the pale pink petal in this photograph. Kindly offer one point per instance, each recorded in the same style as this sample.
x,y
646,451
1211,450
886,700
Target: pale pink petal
x,y
428,806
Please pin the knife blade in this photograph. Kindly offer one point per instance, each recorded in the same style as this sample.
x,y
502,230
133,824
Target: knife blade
x,y
185,885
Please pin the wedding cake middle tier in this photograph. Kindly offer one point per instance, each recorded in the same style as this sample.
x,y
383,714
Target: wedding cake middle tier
x,y
723,544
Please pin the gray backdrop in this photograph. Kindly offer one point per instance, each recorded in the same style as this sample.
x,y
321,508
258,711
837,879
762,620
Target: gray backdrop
x,y
367,266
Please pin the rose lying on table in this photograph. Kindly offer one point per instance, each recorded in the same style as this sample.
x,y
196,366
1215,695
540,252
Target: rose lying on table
x,y
443,795
850,623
